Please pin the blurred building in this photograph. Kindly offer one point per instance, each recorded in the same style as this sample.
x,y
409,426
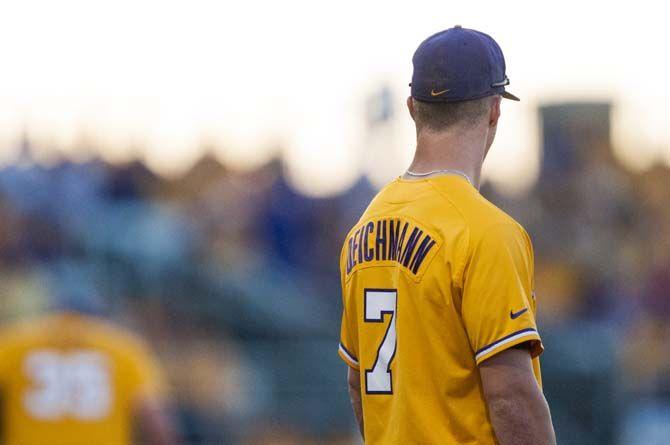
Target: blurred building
x,y
569,132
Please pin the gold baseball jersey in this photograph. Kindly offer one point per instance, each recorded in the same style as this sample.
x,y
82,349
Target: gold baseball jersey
x,y
435,280
66,379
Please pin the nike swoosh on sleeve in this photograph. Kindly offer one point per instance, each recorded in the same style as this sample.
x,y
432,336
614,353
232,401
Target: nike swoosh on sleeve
x,y
515,315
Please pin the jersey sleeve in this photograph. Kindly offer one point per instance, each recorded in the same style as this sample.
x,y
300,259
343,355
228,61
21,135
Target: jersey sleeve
x,y
498,307
347,349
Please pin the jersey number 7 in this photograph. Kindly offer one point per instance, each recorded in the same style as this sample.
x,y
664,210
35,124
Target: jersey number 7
x,y
379,302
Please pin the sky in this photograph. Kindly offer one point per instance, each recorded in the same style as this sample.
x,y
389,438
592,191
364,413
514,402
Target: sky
x,y
256,79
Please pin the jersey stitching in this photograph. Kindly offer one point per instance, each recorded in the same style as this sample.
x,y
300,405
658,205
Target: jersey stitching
x,y
460,270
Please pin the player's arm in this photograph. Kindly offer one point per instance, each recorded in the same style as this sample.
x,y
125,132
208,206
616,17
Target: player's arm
x,y
346,349
517,408
354,383
499,316
154,422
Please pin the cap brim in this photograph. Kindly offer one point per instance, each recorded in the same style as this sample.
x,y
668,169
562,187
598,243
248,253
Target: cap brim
x,y
510,96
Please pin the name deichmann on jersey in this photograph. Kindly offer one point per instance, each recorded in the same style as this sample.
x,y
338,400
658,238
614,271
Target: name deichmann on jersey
x,y
389,239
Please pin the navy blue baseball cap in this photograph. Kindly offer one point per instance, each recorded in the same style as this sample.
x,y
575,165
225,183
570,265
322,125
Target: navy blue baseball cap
x,y
458,64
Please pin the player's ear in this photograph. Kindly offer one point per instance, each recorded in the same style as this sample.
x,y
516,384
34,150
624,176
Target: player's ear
x,y
410,107
494,112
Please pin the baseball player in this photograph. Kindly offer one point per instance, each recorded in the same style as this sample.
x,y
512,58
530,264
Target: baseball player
x,y
72,379
438,326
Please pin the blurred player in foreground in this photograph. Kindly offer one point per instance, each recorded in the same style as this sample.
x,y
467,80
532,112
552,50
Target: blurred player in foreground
x,y
70,379
439,325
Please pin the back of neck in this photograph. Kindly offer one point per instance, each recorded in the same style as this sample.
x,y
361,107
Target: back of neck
x,y
462,151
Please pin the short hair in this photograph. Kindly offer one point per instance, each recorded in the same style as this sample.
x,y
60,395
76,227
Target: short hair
x,y
439,116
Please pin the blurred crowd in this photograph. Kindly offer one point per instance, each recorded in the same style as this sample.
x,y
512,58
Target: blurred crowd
x,y
232,278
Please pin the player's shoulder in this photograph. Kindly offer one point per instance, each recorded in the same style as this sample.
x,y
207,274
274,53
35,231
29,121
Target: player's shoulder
x,y
16,333
480,217
101,334
447,207
416,198
477,212
484,216
113,335
493,228
25,330
375,208
490,224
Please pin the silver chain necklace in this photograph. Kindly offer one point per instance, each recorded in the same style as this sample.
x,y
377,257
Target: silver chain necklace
x,y
446,171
